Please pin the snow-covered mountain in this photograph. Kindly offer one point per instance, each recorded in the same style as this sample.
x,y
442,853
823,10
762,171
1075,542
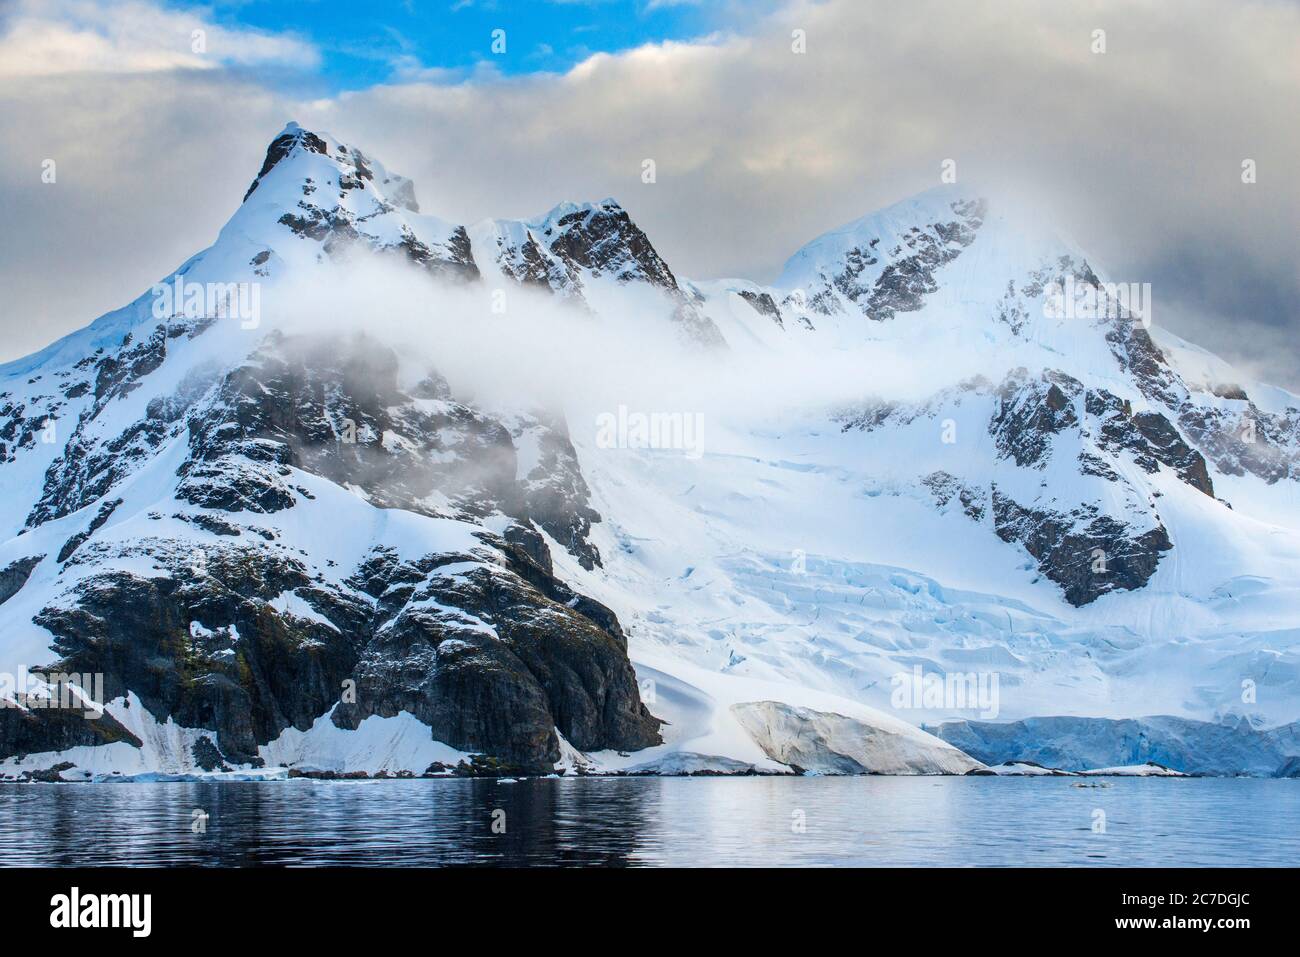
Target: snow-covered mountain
x,y
939,445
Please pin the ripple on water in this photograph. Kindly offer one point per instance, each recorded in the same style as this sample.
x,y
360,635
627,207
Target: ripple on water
x,y
865,821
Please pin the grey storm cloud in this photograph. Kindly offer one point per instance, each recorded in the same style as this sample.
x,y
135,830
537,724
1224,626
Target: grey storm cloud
x,y
1136,152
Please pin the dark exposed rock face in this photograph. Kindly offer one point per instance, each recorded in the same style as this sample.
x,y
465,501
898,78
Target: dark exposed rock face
x,y
19,427
1246,439
1138,354
1089,546
14,576
331,407
1236,435
336,229
246,671
555,495
1085,550
494,665
529,263
493,660
325,214
604,240
37,730
1085,553
334,408
487,646
453,259
905,282
90,464
1162,444
596,240
908,275
847,281
1029,414
763,304
282,146
207,756
102,516
946,488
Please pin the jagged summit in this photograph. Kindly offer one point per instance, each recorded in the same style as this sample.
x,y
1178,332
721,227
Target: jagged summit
x,y
954,258
230,521
334,196
354,167
292,137
883,263
568,208
896,219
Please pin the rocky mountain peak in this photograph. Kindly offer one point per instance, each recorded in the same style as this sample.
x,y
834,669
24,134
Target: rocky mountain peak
x,y
355,169
237,525
292,138
602,239
885,263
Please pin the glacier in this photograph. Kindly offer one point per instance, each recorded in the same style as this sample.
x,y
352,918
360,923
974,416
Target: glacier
x,y
381,530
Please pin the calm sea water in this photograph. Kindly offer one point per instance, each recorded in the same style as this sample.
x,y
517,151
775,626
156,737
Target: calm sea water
x,y
657,821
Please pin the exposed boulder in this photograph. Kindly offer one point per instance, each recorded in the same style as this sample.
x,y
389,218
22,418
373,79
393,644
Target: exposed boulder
x,y
834,744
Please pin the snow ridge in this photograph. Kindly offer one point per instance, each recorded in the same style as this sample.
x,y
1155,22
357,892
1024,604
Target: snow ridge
x,y
353,568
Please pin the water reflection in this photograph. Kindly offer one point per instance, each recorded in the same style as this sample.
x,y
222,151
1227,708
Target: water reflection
x,y
613,822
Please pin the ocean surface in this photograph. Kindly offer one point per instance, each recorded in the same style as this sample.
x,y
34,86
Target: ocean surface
x,y
861,821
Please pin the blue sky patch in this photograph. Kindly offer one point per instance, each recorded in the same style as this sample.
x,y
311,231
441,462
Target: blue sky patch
x,y
380,41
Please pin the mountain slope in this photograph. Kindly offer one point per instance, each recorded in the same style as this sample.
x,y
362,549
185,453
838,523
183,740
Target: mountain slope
x,y
286,537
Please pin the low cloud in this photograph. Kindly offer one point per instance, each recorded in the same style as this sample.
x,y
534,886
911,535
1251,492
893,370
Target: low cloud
x,y
46,38
1135,152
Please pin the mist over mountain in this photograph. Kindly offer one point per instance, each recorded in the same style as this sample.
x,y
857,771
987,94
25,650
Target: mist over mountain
x,y
358,489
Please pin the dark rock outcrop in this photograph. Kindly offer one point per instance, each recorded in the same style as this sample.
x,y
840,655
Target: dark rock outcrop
x,y
335,408
1087,554
75,542
293,138
486,646
495,665
493,660
1029,414
38,730
91,464
1089,543
604,240
908,275
14,576
763,304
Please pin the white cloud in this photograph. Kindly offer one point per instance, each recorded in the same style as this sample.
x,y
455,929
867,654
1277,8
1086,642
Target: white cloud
x,y
53,37
758,149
